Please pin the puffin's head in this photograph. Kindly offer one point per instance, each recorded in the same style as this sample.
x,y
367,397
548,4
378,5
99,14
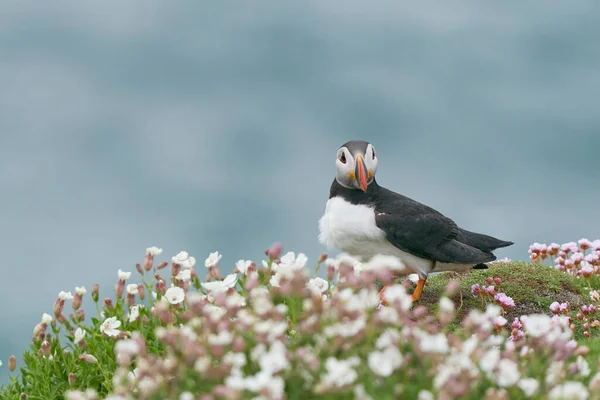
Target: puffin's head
x,y
356,165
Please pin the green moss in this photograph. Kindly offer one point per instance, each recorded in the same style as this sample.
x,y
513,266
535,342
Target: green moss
x,y
533,287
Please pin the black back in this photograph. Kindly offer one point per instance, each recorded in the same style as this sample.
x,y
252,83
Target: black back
x,y
419,229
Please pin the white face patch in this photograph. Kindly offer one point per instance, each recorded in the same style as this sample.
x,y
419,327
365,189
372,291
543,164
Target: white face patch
x,y
346,163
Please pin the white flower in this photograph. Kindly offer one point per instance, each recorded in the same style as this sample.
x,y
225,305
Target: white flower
x,y
554,373
127,346
384,363
153,251
348,328
175,295
212,259
184,275
425,395
360,393
398,292
65,295
342,258
536,325
235,300
489,361
388,338
46,318
437,343
508,373
582,366
236,360
243,265
223,338
569,390
134,313
221,286
80,290
381,261
446,305
110,326
132,288
275,359
317,285
123,276
339,373
500,321
79,335
529,386
289,260
275,279
184,259
186,396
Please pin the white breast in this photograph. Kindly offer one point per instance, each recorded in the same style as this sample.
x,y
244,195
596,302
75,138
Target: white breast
x,y
351,228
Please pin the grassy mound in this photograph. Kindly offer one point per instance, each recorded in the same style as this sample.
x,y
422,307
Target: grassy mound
x,y
533,287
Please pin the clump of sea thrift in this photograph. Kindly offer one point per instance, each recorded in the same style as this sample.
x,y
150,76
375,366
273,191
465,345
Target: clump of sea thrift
x,y
578,259
491,291
275,330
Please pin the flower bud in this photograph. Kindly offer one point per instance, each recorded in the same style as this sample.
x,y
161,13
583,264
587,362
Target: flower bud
x,y
119,288
148,261
58,306
108,304
71,379
322,258
452,288
175,268
12,363
139,269
44,349
239,344
275,251
95,291
88,358
141,291
330,272
161,287
162,265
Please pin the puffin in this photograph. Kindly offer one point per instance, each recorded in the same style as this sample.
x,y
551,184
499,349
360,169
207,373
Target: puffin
x,y
364,219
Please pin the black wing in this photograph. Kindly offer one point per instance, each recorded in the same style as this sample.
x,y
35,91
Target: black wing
x,y
420,230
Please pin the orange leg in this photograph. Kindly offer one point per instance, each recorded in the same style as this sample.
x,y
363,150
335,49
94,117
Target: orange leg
x,y
385,303
415,296
418,290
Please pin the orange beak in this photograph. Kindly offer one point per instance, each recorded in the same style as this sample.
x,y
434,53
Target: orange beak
x,y
360,172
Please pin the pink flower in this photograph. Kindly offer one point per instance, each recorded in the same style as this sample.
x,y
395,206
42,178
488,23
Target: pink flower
x,y
587,271
504,300
475,289
584,244
569,247
555,307
553,249
516,324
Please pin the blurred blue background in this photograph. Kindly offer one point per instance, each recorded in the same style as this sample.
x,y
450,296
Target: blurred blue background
x,y
213,126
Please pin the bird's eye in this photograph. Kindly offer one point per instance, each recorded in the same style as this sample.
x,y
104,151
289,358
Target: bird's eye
x,y
343,158
373,152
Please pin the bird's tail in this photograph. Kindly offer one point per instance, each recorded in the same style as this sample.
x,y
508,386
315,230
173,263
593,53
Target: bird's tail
x,y
480,241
